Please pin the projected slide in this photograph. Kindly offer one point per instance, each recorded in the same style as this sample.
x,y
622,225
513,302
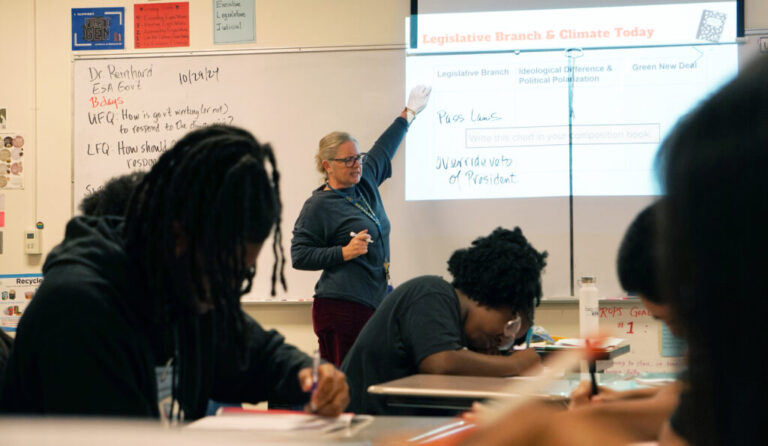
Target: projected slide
x,y
497,123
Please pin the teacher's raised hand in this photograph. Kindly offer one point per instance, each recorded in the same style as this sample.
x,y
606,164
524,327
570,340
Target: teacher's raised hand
x,y
417,100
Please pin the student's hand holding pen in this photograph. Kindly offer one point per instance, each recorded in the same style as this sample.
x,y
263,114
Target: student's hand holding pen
x,y
357,246
528,361
330,395
582,395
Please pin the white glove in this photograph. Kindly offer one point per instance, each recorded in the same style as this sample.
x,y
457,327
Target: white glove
x,y
418,98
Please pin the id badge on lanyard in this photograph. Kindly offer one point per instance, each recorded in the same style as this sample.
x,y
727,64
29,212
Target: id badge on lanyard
x,y
368,211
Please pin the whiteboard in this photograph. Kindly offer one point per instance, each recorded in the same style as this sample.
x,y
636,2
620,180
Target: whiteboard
x,y
290,99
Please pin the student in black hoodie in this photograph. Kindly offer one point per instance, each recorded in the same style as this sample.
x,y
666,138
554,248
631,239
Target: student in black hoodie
x,y
6,342
163,288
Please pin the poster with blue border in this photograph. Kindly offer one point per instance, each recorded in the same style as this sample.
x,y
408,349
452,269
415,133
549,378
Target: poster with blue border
x,y
16,291
98,29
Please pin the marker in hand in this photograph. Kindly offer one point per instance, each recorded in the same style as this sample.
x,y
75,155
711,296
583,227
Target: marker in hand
x,y
354,234
528,335
592,368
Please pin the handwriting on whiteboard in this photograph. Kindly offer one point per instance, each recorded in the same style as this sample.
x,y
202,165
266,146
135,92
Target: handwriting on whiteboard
x,y
628,318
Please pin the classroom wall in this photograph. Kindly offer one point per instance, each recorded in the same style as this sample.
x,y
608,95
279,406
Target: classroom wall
x,y
756,12
36,87
39,84
18,96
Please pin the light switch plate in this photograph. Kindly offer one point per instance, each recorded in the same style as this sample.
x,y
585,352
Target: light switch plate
x,y
32,242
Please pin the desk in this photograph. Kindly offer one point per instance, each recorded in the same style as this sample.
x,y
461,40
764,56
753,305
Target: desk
x,y
605,356
389,426
116,432
273,428
457,393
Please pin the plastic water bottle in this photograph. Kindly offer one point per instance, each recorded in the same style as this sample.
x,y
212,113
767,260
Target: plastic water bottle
x,y
589,307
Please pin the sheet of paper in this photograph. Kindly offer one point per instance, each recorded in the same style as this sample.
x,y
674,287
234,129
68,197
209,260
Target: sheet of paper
x,y
276,422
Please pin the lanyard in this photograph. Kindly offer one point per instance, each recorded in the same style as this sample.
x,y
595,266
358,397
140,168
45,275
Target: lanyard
x,y
366,209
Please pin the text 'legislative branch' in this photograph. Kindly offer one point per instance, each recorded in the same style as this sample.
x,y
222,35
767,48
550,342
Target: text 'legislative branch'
x,y
566,34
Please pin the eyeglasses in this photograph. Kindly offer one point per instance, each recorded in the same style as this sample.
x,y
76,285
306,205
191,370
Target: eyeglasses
x,y
351,160
512,327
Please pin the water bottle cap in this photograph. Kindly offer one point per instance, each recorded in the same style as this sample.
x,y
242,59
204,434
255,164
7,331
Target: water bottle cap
x,y
588,279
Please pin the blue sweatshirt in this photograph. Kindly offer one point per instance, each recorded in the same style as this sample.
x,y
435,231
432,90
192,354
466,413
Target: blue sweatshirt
x,y
327,218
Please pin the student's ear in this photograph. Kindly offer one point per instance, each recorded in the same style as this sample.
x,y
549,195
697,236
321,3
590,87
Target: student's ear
x,y
180,238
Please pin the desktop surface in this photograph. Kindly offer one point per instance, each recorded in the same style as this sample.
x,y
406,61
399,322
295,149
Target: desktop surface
x,y
453,394
116,432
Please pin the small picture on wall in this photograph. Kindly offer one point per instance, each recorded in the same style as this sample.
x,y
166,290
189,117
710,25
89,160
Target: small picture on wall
x,y
3,118
11,161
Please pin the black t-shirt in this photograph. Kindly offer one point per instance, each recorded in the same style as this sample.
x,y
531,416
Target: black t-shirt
x,y
419,318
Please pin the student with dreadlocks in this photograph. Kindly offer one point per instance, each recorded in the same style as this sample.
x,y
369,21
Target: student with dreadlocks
x,y
426,323
163,288
112,199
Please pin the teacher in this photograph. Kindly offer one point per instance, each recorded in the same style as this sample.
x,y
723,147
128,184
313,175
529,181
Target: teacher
x,y
343,230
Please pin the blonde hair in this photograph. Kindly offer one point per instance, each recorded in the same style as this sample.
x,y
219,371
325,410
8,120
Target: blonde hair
x,y
328,146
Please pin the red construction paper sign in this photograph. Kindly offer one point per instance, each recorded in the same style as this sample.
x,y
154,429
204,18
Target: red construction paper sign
x,y
161,25
2,219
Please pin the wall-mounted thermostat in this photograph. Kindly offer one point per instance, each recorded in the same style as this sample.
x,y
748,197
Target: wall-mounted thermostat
x,y
32,243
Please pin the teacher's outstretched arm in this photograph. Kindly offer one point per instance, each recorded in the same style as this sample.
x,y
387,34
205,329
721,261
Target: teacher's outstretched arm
x,y
380,155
